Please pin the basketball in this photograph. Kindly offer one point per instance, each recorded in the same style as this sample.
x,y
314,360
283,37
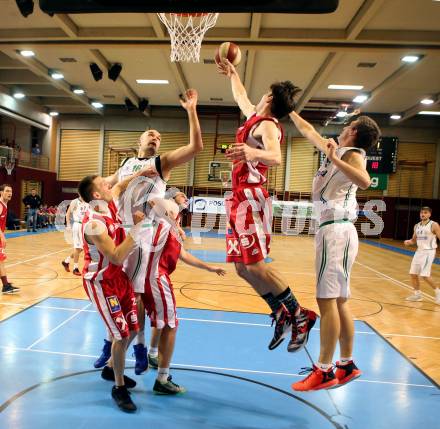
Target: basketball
x,y
230,51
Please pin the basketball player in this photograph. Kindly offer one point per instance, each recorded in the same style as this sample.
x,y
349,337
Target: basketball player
x,y
106,246
74,216
336,243
136,264
159,298
425,236
249,210
5,197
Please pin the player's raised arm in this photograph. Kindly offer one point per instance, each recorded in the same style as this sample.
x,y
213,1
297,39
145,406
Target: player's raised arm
x,y
96,233
186,153
308,131
238,90
352,164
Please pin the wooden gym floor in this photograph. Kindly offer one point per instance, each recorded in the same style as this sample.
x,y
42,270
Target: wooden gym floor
x,y
380,283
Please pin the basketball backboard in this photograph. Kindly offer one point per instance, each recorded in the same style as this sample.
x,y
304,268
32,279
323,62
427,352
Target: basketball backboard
x,y
179,6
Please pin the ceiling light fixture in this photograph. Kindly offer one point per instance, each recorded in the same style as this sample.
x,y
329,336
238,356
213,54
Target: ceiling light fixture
x,y
395,116
430,112
53,113
19,95
78,91
56,75
349,87
410,59
341,114
360,98
97,104
153,81
427,101
27,53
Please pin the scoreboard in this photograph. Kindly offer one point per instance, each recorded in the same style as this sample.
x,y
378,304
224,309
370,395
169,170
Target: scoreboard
x,y
380,160
383,158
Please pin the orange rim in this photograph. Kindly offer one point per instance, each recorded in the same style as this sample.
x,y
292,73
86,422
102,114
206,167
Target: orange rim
x,y
189,14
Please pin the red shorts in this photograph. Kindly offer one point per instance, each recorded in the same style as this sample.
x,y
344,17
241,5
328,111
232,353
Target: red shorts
x,y
115,301
249,212
159,302
2,254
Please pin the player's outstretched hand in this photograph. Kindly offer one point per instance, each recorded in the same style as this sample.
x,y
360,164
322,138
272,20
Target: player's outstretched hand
x,y
226,68
240,152
149,171
138,217
189,99
218,270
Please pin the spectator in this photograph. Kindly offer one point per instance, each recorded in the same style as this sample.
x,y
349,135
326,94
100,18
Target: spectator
x,y
51,213
42,216
36,150
32,202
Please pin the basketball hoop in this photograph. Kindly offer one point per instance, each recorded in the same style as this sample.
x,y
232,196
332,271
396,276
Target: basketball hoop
x,y
186,32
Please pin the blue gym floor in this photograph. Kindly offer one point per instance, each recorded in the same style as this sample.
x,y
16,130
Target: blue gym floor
x,y
233,380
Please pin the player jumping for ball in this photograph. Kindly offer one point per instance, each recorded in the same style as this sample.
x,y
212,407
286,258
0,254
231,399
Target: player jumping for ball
x,y
336,243
249,210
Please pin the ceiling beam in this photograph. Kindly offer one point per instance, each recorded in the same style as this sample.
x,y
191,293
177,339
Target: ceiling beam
x,y
29,34
175,68
12,77
158,28
256,19
43,72
414,110
57,101
391,81
67,25
42,90
321,75
368,9
9,63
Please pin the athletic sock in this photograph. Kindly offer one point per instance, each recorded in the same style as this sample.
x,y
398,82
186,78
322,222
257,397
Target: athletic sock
x,y
140,337
163,374
345,361
4,280
67,260
272,302
324,366
109,336
75,267
153,351
289,301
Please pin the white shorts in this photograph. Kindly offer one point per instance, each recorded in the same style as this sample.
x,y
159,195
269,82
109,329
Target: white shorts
x,y
77,235
336,246
422,262
136,264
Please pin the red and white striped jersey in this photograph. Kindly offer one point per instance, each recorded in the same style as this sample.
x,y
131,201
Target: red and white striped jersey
x,y
96,265
246,173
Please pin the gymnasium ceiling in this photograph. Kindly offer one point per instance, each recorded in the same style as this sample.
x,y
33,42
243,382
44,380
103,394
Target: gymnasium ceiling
x,y
311,50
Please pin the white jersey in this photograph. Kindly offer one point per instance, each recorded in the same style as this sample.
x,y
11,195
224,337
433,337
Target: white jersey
x,y
426,239
334,194
136,195
78,210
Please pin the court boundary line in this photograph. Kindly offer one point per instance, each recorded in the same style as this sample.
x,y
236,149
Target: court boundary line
x,y
225,322
395,281
250,371
405,357
36,257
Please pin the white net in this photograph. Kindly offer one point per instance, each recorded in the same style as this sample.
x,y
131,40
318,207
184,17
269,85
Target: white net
x,y
186,33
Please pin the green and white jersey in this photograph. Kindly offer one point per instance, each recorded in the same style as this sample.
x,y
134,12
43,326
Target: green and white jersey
x,y
141,190
78,209
334,194
426,239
